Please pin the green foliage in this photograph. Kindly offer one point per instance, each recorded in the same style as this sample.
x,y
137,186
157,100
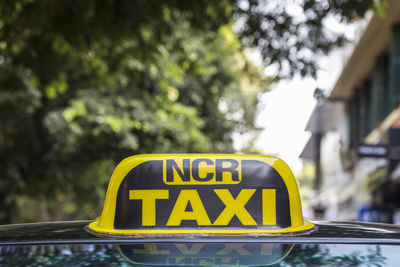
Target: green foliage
x,y
294,35
85,84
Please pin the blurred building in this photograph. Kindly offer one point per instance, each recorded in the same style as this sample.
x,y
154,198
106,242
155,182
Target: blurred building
x,y
360,128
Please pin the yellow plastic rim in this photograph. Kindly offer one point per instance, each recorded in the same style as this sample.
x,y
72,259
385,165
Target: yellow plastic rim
x,y
305,227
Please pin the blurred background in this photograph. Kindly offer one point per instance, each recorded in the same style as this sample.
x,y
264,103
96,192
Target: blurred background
x,y
84,84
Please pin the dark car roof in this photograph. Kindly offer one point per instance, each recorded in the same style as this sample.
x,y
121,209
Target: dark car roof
x,y
74,233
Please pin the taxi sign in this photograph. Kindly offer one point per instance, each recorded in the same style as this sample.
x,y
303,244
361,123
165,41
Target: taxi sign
x,y
199,194
205,254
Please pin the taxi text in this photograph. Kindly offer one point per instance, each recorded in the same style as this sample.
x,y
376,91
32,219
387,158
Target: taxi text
x,y
233,206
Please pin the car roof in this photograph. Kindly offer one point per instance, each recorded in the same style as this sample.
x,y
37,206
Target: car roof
x,y
75,232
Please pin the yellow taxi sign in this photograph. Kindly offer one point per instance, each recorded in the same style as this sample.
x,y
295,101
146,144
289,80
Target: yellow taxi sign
x,y
205,254
201,194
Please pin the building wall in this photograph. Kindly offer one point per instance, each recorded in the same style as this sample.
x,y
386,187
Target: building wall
x,y
352,183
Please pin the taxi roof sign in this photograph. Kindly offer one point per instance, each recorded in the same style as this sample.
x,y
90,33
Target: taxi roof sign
x,y
205,254
198,194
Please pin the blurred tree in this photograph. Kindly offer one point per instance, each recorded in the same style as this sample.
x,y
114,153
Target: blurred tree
x,y
295,34
87,83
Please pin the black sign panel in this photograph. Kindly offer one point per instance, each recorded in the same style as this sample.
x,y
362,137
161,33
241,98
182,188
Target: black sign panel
x,y
159,203
375,151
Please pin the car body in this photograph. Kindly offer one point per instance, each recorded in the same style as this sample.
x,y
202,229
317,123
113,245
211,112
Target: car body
x,y
329,244
70,233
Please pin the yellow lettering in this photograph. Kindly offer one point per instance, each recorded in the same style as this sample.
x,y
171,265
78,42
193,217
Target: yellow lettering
x,y
269,206
151,249
266,249
229,248
185,261
235,207
148,197
203,261
201,171
227,261
194,249
179,212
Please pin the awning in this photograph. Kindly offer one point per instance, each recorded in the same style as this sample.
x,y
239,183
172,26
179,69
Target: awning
x,y
374,40
325,117
309,149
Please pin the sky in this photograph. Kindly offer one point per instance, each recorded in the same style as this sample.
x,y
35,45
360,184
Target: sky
x,y
285,110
